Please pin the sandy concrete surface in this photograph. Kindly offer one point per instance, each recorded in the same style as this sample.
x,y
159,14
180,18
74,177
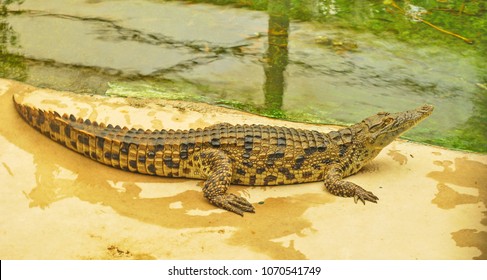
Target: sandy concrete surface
x,y
56,204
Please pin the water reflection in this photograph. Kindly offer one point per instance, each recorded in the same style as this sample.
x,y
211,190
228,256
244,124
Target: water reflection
x,y
277,53
12,64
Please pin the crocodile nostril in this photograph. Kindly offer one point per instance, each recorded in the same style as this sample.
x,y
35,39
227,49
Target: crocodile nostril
x,y
427,108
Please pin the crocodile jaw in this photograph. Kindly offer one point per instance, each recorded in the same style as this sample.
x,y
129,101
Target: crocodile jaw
x,y
385,127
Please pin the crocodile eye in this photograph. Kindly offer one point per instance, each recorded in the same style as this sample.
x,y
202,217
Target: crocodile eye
x,y
388,121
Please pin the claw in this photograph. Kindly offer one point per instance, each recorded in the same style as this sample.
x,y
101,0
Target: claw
x,y
233,203
364,195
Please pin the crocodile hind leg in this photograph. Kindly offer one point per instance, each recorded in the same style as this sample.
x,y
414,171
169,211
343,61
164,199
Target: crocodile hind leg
x,y
217,167
336,186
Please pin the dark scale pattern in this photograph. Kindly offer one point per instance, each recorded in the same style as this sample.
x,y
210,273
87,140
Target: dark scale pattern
x,y
241,154
142,158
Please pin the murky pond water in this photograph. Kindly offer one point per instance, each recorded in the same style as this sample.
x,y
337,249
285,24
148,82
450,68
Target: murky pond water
x,y
318,61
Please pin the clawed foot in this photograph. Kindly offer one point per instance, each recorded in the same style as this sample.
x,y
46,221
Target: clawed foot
x,y
348,189
363,195
233,203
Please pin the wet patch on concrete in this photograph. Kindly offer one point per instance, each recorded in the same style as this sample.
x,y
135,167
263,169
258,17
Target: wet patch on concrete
x,y
472,238
398,157
464,173
463,181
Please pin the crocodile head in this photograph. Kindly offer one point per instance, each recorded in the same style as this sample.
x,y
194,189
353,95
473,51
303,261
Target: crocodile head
x,y
383,128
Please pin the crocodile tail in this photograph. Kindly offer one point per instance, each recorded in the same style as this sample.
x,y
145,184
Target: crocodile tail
x,y
82,136
58,128
123,148
43,121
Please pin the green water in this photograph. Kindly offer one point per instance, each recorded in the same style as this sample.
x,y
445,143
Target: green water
x,y
311,61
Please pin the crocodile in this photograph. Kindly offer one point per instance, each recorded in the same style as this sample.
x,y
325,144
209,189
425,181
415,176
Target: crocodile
x,y
225,154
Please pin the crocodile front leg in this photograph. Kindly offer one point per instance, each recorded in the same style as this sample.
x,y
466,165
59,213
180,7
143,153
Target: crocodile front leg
x,y
336,186
217,167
